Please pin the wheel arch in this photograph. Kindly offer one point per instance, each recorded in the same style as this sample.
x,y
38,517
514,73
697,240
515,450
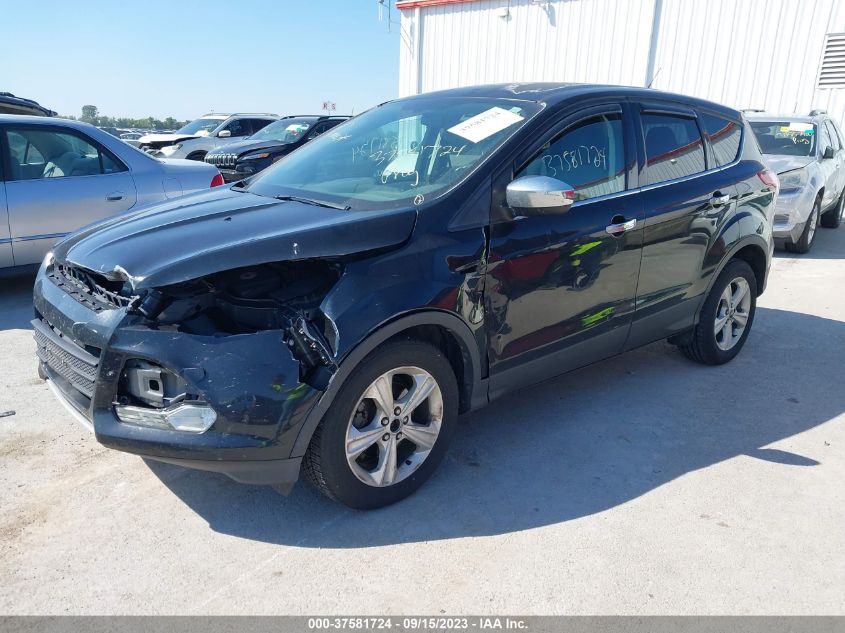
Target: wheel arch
x,y
443,329
751,249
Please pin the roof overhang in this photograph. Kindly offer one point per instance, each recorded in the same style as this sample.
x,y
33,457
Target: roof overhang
x,y
413,4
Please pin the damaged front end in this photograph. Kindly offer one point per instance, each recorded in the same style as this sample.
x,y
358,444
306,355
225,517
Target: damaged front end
x,y
283,297
217,373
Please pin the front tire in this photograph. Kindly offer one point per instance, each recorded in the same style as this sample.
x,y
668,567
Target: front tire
x,y
726,316
833,218
388,428
808,236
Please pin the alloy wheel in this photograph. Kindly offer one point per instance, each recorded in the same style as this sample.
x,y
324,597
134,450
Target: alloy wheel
x,y
732,314
394,426
814,221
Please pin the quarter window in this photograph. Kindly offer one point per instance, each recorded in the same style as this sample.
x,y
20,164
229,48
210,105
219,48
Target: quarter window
x,y
724,137
42,153
673,147
589,157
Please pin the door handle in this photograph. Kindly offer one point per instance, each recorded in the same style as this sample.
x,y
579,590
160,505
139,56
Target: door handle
x,y
619,229
717,199
115,196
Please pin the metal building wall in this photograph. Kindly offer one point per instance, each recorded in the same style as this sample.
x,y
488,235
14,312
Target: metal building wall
x,y
745,53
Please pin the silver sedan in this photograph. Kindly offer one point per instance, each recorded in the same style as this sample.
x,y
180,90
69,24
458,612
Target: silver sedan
x,y
57,176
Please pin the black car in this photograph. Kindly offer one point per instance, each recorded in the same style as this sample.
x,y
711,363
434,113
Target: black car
x,y
241,159
335,313
10,104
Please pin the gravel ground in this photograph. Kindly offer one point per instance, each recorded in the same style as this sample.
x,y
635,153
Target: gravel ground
x,y
642,485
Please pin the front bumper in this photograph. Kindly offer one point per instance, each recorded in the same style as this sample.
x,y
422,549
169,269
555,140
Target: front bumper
x,y
792,210
251,381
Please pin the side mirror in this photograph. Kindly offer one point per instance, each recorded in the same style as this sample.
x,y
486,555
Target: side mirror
x,y
539,195
828,152
224,133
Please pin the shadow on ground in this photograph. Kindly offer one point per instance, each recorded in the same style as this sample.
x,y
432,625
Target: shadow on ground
x,y
571,447
16,302
828,245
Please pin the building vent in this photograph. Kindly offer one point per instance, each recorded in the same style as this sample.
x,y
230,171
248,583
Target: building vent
x,y
832,72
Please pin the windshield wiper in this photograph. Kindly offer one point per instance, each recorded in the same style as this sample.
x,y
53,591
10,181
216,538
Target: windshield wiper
x,y
316,203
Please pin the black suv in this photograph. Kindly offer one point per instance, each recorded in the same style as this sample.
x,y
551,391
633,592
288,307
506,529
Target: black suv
x,y
338,311
241,159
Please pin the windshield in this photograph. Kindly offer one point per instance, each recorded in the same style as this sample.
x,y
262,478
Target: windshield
x,y
199,126
789,138
402,153
286,131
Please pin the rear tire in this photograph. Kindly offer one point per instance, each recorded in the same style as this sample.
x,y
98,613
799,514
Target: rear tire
x,y
808,236
726,317
349,459
833,218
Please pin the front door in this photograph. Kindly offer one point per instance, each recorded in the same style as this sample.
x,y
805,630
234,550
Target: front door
x,y
837,182
59,181
560,288
5,236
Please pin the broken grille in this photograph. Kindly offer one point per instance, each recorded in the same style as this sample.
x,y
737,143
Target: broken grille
x,y
85,288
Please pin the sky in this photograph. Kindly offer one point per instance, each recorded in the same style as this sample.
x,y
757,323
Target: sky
x,y
183,58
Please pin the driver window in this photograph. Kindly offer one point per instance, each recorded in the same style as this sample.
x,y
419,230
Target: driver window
x,y
834,137
589,156
824,138
39,153
238,127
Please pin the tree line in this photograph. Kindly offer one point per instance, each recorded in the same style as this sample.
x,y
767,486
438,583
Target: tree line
x,y
91,114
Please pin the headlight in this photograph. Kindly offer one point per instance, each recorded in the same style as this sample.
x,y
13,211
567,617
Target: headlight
x,y
793,180
169,149
258,156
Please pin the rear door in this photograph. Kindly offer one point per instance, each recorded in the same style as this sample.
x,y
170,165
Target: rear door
x,y
59,180
688,197
560,288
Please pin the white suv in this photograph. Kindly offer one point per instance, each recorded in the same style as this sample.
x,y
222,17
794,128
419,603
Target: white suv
x,y
807,153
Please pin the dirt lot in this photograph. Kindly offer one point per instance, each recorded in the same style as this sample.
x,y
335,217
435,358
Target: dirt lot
x,y
642,485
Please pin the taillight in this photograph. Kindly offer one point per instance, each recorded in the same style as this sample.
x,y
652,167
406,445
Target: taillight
x,y
217,180
770,179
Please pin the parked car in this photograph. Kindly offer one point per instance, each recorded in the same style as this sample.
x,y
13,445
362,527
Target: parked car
x,y
807,153
336,312
57,176
10,104
209,132
241,159
131,138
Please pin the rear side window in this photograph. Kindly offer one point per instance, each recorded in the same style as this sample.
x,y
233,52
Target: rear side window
x,y
724,137
589,156
673,147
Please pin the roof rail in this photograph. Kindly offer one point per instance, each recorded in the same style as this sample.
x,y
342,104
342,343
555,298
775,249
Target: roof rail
x,y
752,110
817,112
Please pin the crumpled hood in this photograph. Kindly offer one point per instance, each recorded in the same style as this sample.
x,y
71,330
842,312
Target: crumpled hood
x,y
213,231
780,163
241,147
